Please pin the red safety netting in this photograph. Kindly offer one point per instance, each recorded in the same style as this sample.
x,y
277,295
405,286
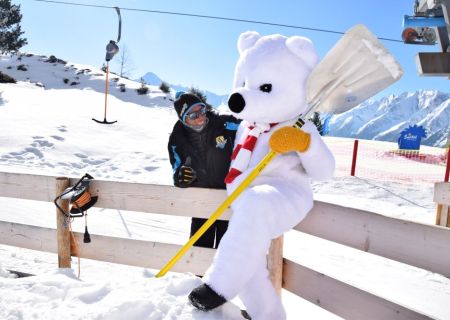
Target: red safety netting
x,y
380,160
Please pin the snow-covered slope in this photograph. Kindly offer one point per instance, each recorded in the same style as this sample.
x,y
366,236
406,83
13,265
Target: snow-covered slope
x,y
56,74
384,119
48,127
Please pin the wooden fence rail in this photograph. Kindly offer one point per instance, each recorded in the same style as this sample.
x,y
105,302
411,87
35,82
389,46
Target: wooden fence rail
x,y
419,245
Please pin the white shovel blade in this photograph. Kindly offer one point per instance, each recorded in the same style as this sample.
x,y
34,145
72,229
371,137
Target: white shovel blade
x,y
355,69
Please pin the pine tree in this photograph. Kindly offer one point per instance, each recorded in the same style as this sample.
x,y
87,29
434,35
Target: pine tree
x,y
143,89
316,120
10,30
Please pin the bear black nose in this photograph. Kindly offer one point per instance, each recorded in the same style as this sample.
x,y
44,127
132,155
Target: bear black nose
x,y
236,102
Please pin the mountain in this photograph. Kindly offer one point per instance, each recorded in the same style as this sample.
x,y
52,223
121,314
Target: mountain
x,y
212,98
384,119
151,79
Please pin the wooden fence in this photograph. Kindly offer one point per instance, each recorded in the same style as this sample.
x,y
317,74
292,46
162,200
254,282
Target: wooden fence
x,y
442,199
420,245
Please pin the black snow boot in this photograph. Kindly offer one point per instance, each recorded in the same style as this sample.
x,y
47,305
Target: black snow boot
x,y
205,298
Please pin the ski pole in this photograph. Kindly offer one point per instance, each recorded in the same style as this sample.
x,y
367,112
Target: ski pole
x,y
228,201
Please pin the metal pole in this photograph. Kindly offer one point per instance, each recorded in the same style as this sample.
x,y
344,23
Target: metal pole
x,y
355,154
106,89
447,168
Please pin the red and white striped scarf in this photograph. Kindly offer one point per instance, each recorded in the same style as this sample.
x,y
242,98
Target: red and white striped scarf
x,y
243,151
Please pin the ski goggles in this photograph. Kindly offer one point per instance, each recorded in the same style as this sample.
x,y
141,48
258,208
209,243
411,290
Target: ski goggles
x,y
195,114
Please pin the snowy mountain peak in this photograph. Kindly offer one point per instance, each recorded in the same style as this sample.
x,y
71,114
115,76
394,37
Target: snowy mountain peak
x,y
151,79
384,119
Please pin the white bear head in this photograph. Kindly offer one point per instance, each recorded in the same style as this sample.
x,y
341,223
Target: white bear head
x,y
270,77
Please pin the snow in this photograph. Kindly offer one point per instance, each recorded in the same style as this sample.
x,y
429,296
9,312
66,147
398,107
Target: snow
x,y
49,131
60,294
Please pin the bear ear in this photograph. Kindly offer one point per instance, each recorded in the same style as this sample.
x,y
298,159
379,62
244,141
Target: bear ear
x,y
304,49
247,40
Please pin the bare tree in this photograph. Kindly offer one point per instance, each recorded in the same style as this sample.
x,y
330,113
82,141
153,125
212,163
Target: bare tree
x,y
124,61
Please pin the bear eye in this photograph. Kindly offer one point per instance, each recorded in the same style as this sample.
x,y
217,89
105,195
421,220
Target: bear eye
x,y
266,87
243,84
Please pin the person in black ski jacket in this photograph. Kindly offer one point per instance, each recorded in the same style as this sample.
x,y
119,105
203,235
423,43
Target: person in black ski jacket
x,y
200,148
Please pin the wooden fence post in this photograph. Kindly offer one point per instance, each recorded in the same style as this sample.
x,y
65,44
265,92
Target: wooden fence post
x,y
62,230
442,199
275,263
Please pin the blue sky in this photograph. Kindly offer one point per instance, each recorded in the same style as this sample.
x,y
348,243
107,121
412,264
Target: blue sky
x,y
202,52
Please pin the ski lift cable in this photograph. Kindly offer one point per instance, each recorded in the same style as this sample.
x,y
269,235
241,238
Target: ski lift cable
x,y
207,17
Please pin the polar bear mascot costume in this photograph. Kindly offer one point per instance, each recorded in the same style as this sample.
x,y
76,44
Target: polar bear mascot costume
x,y
269,95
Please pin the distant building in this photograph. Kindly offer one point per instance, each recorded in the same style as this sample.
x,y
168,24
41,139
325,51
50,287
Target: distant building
x,y
410,138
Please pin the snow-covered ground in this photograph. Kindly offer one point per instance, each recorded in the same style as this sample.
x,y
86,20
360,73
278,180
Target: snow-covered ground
x,y
49,131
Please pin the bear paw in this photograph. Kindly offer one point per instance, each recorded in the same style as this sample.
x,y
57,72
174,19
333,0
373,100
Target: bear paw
x,y
288,139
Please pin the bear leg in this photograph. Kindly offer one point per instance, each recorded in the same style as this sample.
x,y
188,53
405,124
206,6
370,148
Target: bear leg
x,y
241,249
260,298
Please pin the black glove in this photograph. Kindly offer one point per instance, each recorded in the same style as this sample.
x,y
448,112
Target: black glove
x,y
186,175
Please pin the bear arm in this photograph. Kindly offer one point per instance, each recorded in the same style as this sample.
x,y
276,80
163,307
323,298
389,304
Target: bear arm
x,y
318,160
